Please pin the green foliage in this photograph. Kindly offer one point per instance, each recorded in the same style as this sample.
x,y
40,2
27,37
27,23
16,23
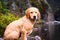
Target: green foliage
x,y
3,7
5,20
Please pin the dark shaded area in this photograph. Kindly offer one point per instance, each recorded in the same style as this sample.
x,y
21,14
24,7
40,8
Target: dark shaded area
x,y
55,5
57,31
57,15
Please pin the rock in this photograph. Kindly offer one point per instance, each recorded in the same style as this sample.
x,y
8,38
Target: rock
x,y
28,38
1,39
37,38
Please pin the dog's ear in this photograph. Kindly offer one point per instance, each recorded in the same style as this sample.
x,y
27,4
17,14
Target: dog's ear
x,y
27,13
39,15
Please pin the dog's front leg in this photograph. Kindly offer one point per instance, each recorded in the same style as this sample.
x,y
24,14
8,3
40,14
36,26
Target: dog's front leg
x,y
24,36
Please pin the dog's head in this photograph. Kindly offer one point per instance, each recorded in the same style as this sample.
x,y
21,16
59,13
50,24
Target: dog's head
x,y
32,13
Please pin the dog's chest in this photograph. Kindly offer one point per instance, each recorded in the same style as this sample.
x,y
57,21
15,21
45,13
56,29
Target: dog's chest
x,y
28,26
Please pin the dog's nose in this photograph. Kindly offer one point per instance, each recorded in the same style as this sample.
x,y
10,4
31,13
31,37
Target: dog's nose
x,y
34,17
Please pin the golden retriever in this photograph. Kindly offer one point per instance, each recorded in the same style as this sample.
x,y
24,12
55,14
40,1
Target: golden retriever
x,y
23,26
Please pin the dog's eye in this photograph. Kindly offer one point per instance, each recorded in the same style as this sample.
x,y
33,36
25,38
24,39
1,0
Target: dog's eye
x,y
35,12
31,12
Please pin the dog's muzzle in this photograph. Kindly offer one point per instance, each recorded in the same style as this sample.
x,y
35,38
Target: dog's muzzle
x,y
34,17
